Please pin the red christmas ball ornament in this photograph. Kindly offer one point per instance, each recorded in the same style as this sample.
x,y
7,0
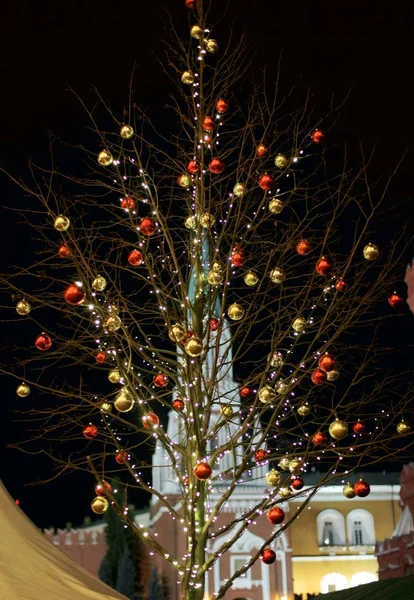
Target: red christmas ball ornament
x,y
394,300
326,363
276,515
323,266
147,226
318,377
268,556
222,106
303,247
260,455
192,167
318,137
245,392
203,471
100,358
208,124
90,431
160,380
64,251
341,286
127,203
135,258
178,404
261,150
319,439
207,139
74,294
150,421
43,342
216,166
362,488
190,3
103,488
214,324
266,182
121,457
297,483
358,427
238,259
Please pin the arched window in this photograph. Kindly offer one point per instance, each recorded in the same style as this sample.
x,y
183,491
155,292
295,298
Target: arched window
x,y
362,577
361,528
331,528
331,582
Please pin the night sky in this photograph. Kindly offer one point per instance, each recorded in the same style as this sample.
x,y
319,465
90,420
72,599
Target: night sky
x,y
361,48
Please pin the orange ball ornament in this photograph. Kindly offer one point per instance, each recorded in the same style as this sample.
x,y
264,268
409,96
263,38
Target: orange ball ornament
x,y
43,342
268,556
358,427
362,488
297,483
64,251
178,404
147,226
74,295
341,286
323,267
276,515
222,106
303,247
160,380
394,300
135,258
216,166
318,137
190,3
150,421
260,455
326,363
127,203
319,439
214,324
192,167
318,377
245,392
122,457
90,431
100,358
203,471
261,150
103,488
208,124
266,182
238,259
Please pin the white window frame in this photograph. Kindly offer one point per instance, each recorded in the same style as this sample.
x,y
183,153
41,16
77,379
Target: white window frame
x,y
338,526
243,582
367,527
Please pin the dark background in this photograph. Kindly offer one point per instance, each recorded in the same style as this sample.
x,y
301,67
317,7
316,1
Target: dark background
x,y
364,48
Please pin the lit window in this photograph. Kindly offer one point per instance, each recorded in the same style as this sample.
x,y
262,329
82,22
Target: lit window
x,y
328,534
243,581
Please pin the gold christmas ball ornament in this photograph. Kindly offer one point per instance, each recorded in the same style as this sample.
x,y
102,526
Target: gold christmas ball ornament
x,y
226,411
403,428
215,277
338,429
114,376
196,32
251,278
99,505
348,491
105,158
275,359
295,466
282,387
235,312
276,206
207,220
126,132
371,252
284,463
239,190
332,375
176,333
193,347
212,46
187,77
281,161
277,275
285,492
124,401
99,283
105,407
61,223
303,410
273,478
266,394
299,324
113,323
190,222
23,390
23,307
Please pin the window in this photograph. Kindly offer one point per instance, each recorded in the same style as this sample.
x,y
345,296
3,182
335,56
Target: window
x,y
328,534
361,528
237,562
331,587
330,528
331,582
358,538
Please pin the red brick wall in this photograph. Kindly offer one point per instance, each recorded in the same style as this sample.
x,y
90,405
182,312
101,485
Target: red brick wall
x,y
85,548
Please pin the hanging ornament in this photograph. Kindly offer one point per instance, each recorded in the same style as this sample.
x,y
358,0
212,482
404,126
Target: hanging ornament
x,y
323,266
303,410
297,483
105,158
176,333
127,203
23,308
403,428
238,258
299,324
276,515
23,390
61,223
338,429
348,491
99,505
216,166
212,46
193,347
193,167
303,247
222,106
394,300
266,182
207,220
285,492
284,463
281,161
74,294
178,404
326,363
358,427
261,150
319,439
126,132
332,375
184,180
99,283
214,324
105,407
150,421
266,394
268,556
203,471
235,312
191,222
114,376
226,411
282,387
113,323
318,136
43,342
160,380
147,226
90,431
215,276
103,488
191,3
135,258
277,275
100,358
239,190
261,455
371,252
64,251
208,124
362,488
295,466
251,278
245,392
276,206
275,359
124,401
273,478
122,457
187,77
318,377
196,32
341,286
